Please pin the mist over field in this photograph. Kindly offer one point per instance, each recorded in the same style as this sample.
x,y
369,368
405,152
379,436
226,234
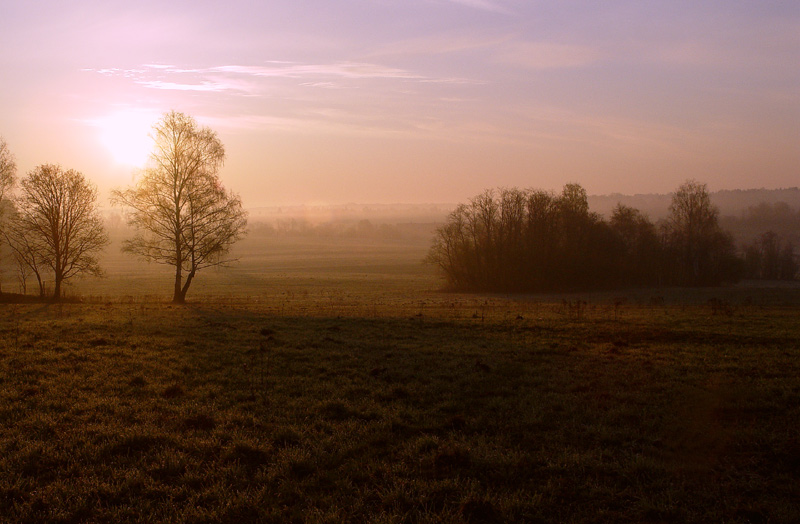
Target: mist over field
x,y
375,241
379,241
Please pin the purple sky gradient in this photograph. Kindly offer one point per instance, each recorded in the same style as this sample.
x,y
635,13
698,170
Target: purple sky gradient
x,y
417,100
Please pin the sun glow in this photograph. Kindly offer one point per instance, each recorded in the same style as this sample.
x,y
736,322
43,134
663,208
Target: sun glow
x,y
125,134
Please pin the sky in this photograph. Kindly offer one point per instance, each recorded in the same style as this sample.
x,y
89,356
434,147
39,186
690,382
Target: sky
x,y
412,101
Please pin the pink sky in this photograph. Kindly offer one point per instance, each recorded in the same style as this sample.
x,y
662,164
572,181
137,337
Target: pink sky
x,y
416,100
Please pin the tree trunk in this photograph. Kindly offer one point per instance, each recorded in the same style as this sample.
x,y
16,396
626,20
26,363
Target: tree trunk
x,y
185,287
177,297
57,289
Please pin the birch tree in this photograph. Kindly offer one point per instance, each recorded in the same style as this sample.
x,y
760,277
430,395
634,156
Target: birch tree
x,y
183,215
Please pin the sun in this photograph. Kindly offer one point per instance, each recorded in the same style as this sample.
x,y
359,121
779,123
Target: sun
x,y
125,134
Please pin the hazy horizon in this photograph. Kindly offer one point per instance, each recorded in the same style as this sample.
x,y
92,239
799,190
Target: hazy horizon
x,y
324,103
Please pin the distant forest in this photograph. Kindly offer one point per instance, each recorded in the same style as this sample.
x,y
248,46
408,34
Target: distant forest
x,y
729,202
538,241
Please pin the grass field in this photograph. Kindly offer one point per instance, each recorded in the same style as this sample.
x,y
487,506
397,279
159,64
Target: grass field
x,y
331,382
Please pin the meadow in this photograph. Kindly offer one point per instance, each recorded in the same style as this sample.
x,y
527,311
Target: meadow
x,y
331,380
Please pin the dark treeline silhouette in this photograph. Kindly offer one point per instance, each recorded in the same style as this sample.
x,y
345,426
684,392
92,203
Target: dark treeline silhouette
x,y
536,241
767,234
770,257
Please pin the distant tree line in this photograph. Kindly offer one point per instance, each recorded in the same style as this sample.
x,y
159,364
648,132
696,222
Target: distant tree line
x,y
537,241
731,203
768,234
770,257
778,217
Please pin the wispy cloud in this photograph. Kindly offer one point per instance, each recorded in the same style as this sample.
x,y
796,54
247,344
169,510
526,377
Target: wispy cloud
x,y
309,97
349,70
249,79
215,87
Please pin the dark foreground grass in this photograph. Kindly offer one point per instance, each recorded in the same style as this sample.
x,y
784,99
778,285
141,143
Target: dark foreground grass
x,y
440,412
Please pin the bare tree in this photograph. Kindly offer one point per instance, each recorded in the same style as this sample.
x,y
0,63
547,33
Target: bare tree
x,y
692,221
451,247
184,216
58,223
8,169
704,252
29,251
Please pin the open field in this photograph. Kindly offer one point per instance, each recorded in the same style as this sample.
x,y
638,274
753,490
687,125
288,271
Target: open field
x,y
270,266
332,382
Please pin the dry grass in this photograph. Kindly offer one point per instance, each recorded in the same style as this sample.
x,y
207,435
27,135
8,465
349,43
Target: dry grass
x,y
363,395
214,413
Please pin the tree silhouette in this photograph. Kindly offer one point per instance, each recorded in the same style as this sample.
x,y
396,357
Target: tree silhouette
x,y
523,240
770,257
537,241
641,258
703,252
8,169
184,216
56,224
29,251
